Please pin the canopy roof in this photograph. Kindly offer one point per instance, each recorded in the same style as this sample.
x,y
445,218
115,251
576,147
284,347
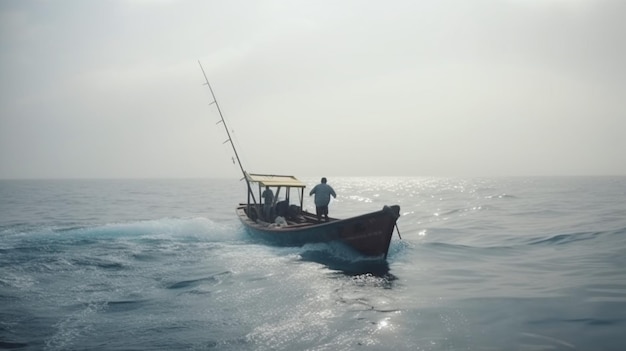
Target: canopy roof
x,y
275,180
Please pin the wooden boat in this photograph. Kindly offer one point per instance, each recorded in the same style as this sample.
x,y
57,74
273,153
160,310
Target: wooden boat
x,y
368,234
289,224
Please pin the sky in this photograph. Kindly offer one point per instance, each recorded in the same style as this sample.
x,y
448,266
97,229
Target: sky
x,y
113,89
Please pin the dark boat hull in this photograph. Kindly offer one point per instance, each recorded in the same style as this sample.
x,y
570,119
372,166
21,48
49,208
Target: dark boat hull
x,y
368,234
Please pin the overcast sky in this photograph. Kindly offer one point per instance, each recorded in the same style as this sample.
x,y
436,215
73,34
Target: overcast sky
x,y
101,89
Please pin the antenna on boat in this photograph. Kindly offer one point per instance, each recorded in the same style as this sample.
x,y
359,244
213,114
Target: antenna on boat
x,y
224,123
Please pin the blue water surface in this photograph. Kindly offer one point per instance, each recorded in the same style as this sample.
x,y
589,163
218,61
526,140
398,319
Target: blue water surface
x,y
483,264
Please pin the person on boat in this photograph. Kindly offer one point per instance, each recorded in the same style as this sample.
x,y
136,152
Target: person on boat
x,y
268,199
322,193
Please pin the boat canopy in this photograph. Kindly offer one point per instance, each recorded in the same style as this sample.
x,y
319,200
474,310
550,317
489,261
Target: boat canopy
x,y
273,180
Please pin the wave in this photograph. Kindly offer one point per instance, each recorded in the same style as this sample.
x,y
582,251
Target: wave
x,y
568,238
212,280
197,228
501,196
464,248
491,245
101,263
126,305
201,229
458,211
6,345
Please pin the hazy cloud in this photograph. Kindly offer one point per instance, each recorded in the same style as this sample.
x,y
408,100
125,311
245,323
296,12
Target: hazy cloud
x,y
113,89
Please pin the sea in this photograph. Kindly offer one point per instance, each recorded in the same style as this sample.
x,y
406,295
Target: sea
x,y
509,263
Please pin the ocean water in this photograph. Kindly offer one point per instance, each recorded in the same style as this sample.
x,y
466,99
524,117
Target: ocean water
x,y
483,264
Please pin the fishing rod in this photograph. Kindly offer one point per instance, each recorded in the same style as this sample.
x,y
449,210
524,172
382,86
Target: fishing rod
x,y
224,123
232,144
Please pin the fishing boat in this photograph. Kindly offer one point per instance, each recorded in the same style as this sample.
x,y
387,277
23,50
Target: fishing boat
x,y
287,223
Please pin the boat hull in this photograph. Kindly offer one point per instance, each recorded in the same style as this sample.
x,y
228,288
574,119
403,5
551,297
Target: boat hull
x,y
368,234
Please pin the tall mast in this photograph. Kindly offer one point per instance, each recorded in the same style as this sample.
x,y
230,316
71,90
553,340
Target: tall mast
x,y
224,123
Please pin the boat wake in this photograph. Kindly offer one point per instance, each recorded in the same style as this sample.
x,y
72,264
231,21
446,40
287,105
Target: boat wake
x,y
199,228
339,257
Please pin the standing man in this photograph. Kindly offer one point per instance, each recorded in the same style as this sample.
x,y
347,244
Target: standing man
x,y
268,200
322,193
